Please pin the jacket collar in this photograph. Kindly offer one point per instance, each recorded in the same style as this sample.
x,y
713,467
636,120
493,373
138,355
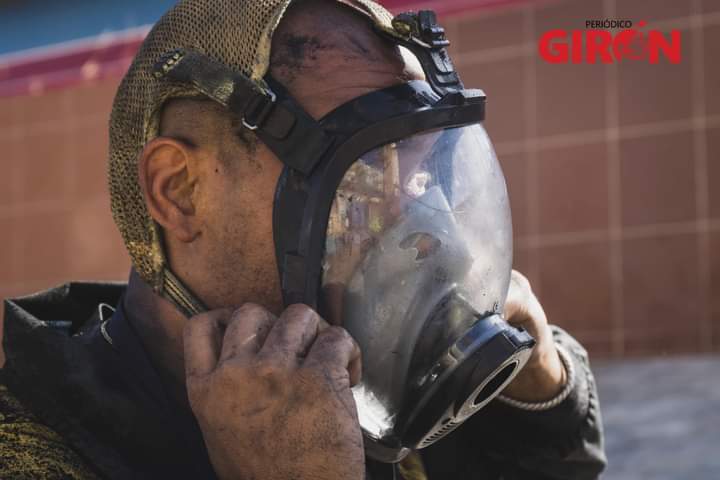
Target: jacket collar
x,y
88,377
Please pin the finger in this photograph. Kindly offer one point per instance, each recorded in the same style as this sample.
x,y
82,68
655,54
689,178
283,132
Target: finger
x,y
292,335
520,280
517,298
513,310
523,309
335,349
519,287
246,332
202,338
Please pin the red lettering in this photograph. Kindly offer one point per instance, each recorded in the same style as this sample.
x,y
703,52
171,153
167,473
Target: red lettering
x,y
598,42
671,49
553,52
577,44
559,46
630,45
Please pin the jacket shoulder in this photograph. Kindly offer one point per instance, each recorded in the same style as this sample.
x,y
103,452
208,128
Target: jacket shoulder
x,y
29,449
67,306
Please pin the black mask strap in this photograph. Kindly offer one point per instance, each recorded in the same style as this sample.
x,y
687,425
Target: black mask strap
x,y
280,122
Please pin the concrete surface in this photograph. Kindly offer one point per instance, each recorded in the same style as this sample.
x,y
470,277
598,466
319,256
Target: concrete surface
x,y
662,418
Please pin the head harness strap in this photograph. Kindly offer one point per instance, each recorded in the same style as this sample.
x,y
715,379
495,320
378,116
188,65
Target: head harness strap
x,y
292,134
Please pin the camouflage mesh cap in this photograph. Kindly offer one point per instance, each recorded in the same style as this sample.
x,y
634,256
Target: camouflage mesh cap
x,y
237,33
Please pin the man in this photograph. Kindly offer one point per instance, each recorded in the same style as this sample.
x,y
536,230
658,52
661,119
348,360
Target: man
x,y
202,371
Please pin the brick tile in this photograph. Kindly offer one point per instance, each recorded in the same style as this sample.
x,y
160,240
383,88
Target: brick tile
x,y
44,251
90,147
46,163
522,258
524,261
576,287
451,26
94,99
94,244
8,251
497,29
515,168
573,189
661,342
661,295
656,92
712,137
566,14
658,179
598,344
570,97
712,68
649,10
10,190
715,288
710,6
503,82
47,107
9,111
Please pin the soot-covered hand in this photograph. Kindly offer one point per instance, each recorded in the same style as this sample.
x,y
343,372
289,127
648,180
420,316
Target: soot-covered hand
x,y
272,395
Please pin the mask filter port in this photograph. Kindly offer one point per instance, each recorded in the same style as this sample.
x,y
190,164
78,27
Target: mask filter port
x,y
495,383
487,358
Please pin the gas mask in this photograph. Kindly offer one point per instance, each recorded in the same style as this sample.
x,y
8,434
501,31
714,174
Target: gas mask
x,y
416,267
391,218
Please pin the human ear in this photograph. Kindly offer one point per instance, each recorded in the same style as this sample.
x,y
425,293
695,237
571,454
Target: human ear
x,y
164,174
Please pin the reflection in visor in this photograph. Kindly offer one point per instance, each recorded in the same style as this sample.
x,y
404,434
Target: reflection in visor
x,y
413,224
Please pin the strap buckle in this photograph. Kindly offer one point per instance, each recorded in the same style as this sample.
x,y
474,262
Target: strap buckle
x,y
421,28
265,109
422,35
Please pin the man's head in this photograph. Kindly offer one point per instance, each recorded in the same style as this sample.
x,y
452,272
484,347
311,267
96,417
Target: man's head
x,y
399,188
206,183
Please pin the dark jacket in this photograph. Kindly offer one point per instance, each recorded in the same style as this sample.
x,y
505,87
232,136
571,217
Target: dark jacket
x,y
98,390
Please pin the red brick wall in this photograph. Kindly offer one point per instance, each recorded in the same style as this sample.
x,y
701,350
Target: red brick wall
x,y
610,170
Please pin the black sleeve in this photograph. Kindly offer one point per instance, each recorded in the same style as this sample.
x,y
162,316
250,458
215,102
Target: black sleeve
x,y
563,443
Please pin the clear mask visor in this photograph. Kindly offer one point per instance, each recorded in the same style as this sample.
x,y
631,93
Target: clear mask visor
x,y
415,225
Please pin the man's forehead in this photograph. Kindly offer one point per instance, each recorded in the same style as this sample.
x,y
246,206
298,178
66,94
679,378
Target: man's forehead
x,y
326,54
310,27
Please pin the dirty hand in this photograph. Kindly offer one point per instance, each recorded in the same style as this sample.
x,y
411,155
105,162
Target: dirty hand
x,y
544,375
272,395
